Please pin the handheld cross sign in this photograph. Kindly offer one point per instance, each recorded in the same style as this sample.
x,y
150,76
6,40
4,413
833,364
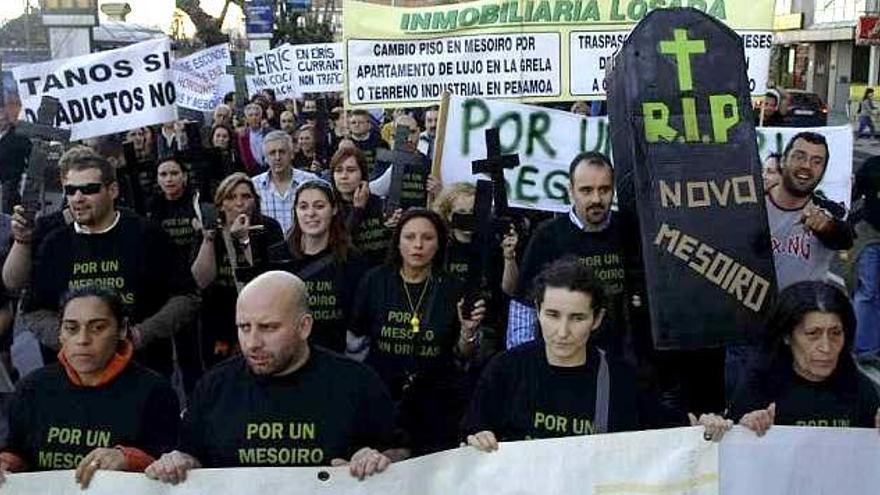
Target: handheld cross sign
x,y
493,166
399,159
487,193
42,133
239,71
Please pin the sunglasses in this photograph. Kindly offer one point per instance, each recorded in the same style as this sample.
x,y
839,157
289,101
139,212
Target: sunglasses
x,y
86,189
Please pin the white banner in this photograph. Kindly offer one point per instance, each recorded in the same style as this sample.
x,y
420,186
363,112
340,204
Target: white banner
x,y
592,53
104,93
201,78
547,140
491,65
293,70
800,461
319,68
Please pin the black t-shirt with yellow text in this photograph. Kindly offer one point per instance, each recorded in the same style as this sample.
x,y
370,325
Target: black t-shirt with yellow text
x,y
54,423
329,408
521,396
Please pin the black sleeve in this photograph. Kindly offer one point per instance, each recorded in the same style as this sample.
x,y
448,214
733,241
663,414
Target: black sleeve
x,y
164,267
625,403
488,409
362,313
21,418
161,422
839,238
376,422
46,268
534,257
869,403
192,437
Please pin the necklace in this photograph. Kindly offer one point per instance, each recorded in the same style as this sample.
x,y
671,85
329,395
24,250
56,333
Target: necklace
x,y
414,322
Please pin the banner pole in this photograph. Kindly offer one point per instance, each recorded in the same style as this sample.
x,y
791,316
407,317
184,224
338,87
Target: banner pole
x,y
439,139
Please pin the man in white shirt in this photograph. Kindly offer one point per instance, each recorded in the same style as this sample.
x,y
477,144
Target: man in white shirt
x,y
277,185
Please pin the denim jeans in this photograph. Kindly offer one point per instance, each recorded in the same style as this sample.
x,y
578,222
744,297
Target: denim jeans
x,y
866,300
865,122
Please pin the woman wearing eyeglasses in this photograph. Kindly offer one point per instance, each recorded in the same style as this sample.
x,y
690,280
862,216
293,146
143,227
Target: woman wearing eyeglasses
x,y
319,252
420,335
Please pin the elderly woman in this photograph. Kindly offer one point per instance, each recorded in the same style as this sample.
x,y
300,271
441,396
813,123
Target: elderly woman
x,y
95,408
236,247
807,376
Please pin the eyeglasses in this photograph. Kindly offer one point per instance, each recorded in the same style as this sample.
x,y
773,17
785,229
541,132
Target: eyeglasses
x,y
86,189
799,157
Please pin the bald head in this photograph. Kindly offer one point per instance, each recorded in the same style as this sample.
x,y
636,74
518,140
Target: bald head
x,y
279,287
274,323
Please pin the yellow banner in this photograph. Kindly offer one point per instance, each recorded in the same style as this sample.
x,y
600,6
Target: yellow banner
x,y
527,51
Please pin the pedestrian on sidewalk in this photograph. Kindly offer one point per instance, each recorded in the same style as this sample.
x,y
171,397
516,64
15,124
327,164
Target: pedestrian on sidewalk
x,y
866,109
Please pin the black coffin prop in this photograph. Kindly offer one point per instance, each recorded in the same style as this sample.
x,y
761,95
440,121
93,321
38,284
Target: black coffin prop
x,y
687,165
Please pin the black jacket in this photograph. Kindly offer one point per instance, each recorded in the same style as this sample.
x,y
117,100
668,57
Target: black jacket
x,y
15,151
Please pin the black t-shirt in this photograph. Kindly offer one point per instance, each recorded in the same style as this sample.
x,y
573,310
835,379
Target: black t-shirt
x,y
329,408
218,299
367,228
800,402
383,313
331,284
54,423
521,396
175,217
414,187
601,251
135,258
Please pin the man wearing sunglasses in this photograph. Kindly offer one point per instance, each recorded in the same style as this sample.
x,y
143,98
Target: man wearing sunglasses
x,y
115,249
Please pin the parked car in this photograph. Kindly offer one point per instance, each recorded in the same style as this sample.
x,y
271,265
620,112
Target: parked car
x,y
803,109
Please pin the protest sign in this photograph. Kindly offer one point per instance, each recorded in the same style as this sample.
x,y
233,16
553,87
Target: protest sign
x,y
319,68
104,93
547,140
201,78
293,70
686,154
544,50
841,461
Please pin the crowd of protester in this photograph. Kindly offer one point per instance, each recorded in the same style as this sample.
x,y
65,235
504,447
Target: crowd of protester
x,y
246,293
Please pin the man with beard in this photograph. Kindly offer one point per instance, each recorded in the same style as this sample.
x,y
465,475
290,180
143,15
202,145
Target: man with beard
x,y
116,249
803,234
282,402
591,233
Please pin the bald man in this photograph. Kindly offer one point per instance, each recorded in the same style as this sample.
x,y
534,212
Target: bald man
x,y
414,192
282,402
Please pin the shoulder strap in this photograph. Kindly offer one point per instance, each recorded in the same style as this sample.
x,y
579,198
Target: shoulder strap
x,y
316,266
603,395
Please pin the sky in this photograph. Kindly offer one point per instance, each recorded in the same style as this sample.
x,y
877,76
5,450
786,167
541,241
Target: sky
x,y
156,13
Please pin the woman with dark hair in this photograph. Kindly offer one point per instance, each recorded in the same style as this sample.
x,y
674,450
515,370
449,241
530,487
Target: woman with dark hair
x,y
307,156
807,375
363,212
411,310
866,114
233,250
319,252
222,156
176,208
95,408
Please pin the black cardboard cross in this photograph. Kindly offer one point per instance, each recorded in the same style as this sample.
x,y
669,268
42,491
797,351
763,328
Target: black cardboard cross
x,y
239,71
494,165
399,159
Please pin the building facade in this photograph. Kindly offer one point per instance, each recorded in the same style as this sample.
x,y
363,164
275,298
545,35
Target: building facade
x,y
816,49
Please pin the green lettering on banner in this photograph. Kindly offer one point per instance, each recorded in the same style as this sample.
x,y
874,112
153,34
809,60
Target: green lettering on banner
x,y
563,9
656,117
591,12
539,125
448,21
523,181
470,122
